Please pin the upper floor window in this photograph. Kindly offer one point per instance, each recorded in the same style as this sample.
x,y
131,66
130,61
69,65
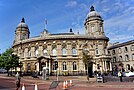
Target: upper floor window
x,y
64,66
74,66
132,56
93,28
108,52
97,51
64,52
114,59
126,57
105,51
120,58
100,28
132,48
74,52
54,52
45,52
120,50
29,53
125,49
113,52
36,53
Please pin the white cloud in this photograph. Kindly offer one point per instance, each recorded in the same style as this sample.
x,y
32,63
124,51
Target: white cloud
x,y
121,38
123,21
129,10
71,4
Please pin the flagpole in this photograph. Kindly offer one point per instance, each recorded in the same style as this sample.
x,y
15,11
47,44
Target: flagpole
x,y
46,24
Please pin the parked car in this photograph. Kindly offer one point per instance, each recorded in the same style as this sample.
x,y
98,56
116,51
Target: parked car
x,y
3,70
129,74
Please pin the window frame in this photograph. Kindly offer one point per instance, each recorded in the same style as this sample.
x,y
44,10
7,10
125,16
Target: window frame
x,y
74,66
64,66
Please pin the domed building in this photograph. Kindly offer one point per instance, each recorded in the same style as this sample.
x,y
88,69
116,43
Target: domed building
x,y
64,50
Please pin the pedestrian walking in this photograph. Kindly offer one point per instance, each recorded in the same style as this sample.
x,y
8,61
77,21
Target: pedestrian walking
x,y
17,83
120,76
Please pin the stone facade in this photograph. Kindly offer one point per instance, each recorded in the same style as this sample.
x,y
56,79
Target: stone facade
x,y
65,49
123,53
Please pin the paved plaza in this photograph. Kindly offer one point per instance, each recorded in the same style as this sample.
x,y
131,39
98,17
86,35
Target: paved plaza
x,y
79,83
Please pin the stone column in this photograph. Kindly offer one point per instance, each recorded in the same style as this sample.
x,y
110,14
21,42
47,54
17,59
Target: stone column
x,y
49,67
105,65
46,63
37,66
110,66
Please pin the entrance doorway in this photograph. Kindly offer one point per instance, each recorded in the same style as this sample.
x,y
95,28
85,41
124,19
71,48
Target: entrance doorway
x,y
90,69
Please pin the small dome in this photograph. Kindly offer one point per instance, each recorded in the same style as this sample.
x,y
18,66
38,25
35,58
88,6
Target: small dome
x,y
93,13
22,24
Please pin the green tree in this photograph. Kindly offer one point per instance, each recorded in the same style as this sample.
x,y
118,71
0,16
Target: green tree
x,y
8,60
87,60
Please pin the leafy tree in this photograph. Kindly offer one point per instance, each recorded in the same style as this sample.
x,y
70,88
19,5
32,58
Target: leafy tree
x,y
8,60
87,60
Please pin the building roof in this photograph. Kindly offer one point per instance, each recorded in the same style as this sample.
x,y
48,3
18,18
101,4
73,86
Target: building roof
x,y
22,24
93,13
121,44
63,34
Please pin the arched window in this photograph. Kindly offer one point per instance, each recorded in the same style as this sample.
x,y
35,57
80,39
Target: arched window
x,y
114,59
126,49
29,53
36,53
97,51
120,58
120,50
55,65
132,48
100,28
74,66
64,66
113,52
74,52
64,52
45,53
128,67
132,56
28,67
126,57
54,52
93,28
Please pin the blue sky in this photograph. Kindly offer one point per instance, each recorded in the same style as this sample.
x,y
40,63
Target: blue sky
x,y
118,16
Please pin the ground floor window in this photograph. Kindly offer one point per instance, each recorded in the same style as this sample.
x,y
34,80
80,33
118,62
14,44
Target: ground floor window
x,y
28,67
74,66
64,66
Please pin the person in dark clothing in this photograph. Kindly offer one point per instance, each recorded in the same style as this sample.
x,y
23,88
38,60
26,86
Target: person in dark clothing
x,y
18,84
120,76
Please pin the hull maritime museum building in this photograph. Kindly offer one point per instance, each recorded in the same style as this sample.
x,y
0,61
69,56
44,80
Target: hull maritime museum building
x,y
64,49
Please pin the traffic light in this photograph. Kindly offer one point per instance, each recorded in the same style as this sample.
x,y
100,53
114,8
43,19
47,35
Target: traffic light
x,y
56,64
